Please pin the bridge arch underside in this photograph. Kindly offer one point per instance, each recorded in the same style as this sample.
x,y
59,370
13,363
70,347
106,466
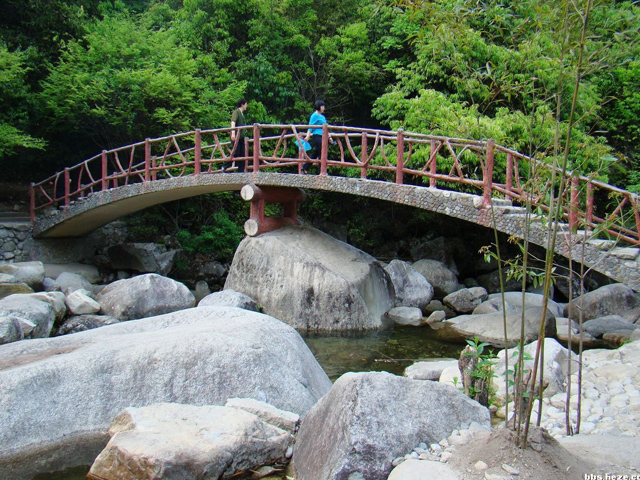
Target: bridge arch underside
x,y
100,208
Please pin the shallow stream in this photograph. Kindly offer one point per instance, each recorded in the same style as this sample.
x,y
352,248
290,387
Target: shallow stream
x,y
391,351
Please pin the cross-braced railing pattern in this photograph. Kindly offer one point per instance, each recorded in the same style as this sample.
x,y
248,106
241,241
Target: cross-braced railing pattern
x,y
398,156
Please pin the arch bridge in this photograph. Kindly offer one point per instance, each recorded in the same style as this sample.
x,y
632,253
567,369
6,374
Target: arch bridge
x,y
477,181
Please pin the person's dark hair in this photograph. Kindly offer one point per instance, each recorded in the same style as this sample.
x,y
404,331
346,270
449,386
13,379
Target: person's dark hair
x,y
241,102
318,104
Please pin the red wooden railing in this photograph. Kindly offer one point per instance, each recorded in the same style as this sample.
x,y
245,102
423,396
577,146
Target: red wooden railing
x,y
398,156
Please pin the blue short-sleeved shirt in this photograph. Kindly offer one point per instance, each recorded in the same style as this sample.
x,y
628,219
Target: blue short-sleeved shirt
x,y
317,119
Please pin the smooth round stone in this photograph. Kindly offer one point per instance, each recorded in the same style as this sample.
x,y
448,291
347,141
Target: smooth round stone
x,y
480,466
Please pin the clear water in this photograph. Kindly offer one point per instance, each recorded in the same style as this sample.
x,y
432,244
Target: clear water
x,y
390,351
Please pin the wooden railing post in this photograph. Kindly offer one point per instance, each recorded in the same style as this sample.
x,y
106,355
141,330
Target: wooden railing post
x,y
67,186
575,204
487,180
400,158
197,153
363,156
105,180
509,172
432,165
589,216
32,202
324,155
256,148
147,159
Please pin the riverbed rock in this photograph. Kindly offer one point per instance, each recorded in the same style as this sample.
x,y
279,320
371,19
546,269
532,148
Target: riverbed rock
x,y
312,281
68,283
89,272
513,302
80,323
38,312
556,369
10,288
142,257
31,273
10,329
229,298
81,303
429,370
406,316
201,290
489,327
56,299
443,280
199,356
611,323
412,288
491,282
616,299
465,300
170,441
368,419
144,296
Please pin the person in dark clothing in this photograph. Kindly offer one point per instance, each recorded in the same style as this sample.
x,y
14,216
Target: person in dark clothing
x,y
238,120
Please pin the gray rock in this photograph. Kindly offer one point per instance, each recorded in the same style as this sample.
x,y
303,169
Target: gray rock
x,y
200,356
312,281
489,327
81,303
443,280
10,329
287,421
89,272
479,292
12,288
70,282
429,370
170,441
412,288
555,369
409,316
463,301
368,419
513,302
142,257
229,298
611,323
56,299
7,278
605,450
80,323
437,316
201,290
31,273
215,270
616,299
414,469
144,296
440,249
40,313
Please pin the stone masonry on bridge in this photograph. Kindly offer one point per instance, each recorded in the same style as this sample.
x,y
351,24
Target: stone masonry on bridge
x,y
100,208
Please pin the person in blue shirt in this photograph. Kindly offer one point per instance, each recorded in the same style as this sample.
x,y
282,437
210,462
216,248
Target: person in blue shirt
x,y
314,135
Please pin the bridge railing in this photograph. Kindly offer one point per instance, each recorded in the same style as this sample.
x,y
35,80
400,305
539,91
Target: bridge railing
x,y
480,167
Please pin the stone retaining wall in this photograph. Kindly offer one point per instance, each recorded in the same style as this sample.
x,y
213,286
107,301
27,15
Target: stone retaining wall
x,y
15,241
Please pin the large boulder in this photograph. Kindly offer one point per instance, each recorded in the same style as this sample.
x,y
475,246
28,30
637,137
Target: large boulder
x,y
31,273
514,301
56,299
229,298
611,323
616,299
12,287
142,257
465,299
368,419
39,312
144,296
170,441
491,282
312,281
489,327
406,316
443,280
68,282
10,329
200,356
411,287
80,302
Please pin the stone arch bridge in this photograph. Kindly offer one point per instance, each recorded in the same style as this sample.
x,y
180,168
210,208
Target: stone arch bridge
x,y
599,226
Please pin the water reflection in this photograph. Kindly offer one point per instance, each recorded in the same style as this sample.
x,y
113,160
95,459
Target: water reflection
x,y
390,351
